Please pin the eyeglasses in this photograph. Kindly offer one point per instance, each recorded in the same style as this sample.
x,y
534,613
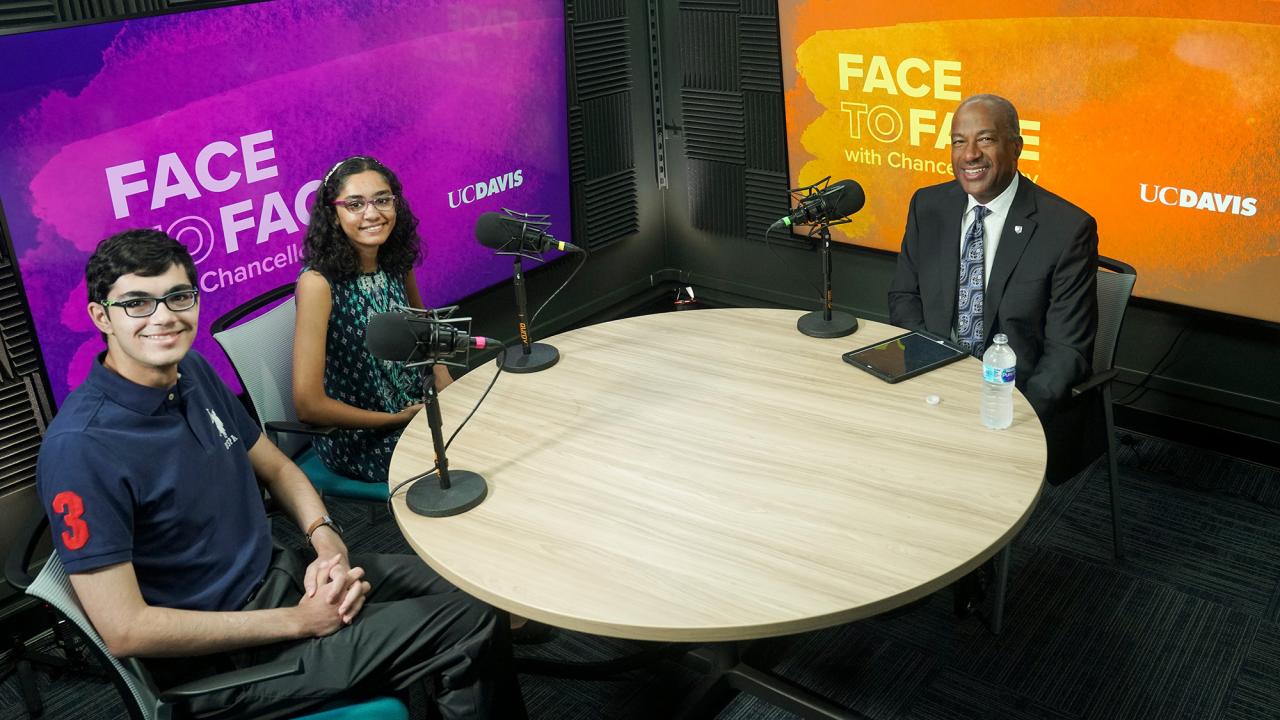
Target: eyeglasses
x,y
140,307
382,203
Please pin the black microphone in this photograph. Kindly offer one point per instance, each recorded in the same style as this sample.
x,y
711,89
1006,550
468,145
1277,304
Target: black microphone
x,y
497,231
405,337
834,202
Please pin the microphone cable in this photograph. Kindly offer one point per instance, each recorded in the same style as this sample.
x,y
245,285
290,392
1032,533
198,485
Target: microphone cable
x,y
806,280
402,483
563,285
501,346
485,394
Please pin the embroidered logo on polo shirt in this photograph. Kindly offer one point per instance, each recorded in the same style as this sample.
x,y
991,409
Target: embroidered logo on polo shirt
x,y
227,440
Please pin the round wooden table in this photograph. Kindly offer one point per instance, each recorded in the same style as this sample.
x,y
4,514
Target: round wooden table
x,y
714,475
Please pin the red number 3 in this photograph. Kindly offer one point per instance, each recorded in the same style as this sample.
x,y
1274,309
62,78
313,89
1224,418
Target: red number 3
x,y
71,507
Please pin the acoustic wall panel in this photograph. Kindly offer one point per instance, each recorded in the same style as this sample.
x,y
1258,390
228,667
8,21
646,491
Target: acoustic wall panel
x,y
709,45
602,107
588,11
714,125
19,14
22,15
761,63
610,115
733,120
716,194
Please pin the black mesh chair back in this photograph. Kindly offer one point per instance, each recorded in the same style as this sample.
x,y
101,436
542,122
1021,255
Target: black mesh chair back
x,y
1115,285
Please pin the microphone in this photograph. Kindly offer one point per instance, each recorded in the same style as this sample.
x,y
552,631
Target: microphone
x,y
500,232
836,201
405,337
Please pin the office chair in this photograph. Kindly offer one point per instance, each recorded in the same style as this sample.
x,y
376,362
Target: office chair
x,y
69,654
1115,285
261,352
137,690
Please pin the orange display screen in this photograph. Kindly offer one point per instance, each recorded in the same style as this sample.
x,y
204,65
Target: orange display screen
x,y
1161,119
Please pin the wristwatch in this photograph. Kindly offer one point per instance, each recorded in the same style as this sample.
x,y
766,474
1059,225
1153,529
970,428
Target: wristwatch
x,y
321,521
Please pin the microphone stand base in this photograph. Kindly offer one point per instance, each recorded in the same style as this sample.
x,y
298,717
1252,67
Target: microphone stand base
x,y
466,490
814,325
541,356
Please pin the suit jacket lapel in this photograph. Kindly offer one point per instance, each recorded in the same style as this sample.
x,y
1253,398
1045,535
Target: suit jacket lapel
x,y
1012,244
952,214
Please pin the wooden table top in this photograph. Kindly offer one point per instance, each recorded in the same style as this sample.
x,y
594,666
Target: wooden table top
x,y
715,475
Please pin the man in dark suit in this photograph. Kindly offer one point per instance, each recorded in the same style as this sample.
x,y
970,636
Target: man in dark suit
x,y
1029,268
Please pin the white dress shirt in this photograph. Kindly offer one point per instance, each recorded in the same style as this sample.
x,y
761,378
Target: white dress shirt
x,y
992,224
992,227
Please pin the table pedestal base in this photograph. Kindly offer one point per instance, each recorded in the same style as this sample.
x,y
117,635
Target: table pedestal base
x,y
600,669
995,620
728,675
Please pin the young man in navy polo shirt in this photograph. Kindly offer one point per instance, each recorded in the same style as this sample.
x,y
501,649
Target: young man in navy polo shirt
x,y
148,476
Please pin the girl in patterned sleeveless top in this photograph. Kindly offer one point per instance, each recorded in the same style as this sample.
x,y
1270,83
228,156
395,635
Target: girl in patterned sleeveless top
x,y
361,246
362,243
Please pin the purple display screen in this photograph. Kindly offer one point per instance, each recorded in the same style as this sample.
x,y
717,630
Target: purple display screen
x,y
217,126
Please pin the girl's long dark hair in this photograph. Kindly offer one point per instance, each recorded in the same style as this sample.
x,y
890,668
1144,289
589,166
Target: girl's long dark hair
x,y
327,249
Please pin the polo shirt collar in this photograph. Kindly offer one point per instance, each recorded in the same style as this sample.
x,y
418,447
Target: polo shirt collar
x,y
126,393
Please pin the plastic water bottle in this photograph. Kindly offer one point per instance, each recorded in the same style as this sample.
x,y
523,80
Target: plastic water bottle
x,y
998,374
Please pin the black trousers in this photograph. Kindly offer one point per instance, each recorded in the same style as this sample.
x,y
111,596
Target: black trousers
x,y
414,627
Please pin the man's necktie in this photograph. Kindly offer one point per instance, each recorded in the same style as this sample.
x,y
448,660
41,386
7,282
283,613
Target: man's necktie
x,y
972,284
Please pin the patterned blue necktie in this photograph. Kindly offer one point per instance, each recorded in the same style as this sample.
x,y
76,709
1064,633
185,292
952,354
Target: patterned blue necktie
x,y
972,284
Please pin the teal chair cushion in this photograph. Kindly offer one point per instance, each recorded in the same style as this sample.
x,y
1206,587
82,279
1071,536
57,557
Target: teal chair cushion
x,y
329,482
383,708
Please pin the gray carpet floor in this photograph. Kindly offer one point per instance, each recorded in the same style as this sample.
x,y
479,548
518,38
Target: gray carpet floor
x,y
1188,626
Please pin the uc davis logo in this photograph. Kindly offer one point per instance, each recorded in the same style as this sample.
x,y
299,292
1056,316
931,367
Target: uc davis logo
x,y
1209,201
468,194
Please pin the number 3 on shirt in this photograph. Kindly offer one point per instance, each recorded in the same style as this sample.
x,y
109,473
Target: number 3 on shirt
x,y
71,508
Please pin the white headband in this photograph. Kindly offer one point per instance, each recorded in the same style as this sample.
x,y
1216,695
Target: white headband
x,y
334,169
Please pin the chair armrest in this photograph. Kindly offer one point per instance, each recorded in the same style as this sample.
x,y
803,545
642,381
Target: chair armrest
x,y
284,426
235,678
1094,381
17,563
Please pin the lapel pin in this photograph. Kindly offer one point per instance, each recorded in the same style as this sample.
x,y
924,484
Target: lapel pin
x,y
1017,229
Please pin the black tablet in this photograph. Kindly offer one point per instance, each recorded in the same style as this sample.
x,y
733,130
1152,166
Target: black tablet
x,y
904,356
